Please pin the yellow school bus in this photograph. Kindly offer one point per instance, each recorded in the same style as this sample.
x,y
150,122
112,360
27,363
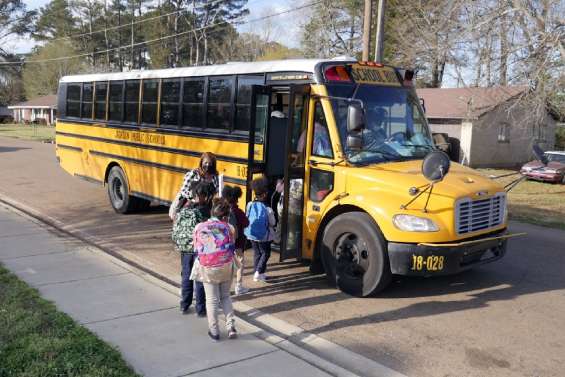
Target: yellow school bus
x,y
349,140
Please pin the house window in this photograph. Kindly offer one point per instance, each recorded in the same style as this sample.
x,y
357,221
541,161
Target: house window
x,y
539,131
219,103
193,103
504,133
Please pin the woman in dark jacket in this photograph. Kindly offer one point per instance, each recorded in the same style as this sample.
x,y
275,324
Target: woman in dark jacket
x,y
206,172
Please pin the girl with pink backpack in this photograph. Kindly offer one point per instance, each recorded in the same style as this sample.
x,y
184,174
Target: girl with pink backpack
x,y
214,241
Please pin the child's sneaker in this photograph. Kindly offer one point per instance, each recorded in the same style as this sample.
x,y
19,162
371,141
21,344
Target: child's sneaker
x,y
256,276
215,338
263,278
240,290
232,333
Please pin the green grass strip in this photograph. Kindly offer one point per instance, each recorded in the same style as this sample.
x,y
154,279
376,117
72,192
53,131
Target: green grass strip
x,y
38,340
28,132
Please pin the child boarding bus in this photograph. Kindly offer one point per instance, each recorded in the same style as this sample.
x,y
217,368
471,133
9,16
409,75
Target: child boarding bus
x,y
348,138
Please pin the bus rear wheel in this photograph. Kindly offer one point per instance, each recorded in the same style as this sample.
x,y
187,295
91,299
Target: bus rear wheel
x,y
354,255
118,193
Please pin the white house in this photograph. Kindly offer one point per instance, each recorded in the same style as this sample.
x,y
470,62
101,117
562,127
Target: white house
x,y
40,109
493,125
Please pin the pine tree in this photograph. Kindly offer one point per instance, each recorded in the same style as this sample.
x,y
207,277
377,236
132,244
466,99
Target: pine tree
x,y
55,21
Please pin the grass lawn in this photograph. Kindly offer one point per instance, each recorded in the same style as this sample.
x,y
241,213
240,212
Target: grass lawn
x,y
534,202
37,340
28,132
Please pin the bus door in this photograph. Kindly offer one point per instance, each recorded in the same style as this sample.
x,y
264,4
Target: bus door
x,y
259,123
293,199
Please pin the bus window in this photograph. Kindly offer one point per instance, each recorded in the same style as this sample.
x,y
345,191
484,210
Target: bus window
x,y
149,104
321,184
219,103
86,104
243,101
116,101
170,97
132,101
100,103
321,145
73,100
193,103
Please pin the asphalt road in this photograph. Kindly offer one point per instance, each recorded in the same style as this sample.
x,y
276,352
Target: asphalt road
x,y
502,319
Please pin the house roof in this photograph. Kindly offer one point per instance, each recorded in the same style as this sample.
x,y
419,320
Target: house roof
x,y
462,103
44,102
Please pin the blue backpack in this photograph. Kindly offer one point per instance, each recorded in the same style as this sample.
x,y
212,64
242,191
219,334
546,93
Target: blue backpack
x,y
258,216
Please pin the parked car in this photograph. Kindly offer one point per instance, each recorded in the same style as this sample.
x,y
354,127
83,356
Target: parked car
x,y
554,171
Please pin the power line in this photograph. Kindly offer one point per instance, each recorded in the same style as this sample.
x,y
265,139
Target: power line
x,y
127,25
125,47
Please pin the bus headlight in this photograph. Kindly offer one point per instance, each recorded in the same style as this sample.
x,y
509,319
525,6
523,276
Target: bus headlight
x,y
409,223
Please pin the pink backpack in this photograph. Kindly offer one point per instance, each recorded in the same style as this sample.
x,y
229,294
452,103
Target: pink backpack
x,y
214,243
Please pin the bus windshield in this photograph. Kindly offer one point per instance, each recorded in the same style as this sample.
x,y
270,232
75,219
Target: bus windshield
x,y
396,128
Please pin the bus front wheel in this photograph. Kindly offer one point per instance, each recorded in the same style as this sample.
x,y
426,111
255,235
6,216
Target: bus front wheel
x,y
118,192
354,255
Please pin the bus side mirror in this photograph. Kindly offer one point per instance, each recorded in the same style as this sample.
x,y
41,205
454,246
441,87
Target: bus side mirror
x,y
354,142
355,118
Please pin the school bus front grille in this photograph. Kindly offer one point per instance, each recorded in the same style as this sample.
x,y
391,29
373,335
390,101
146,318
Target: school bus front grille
x,y
476,215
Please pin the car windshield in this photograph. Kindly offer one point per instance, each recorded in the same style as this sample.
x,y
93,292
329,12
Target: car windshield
x,y
396,128
554,157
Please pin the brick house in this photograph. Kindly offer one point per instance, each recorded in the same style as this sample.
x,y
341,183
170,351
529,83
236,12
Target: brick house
x,y
39,110
494,128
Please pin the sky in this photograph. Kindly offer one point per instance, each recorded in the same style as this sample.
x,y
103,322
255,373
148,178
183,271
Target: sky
x,y
284,29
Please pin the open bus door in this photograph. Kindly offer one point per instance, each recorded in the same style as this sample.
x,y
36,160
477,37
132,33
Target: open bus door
x,y
295,152
259,121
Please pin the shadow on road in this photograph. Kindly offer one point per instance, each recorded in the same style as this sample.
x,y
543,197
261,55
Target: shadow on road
x,y
10,149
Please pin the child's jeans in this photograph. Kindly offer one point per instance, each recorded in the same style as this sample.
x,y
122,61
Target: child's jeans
x,y
261,254
188,286
240,264
218,295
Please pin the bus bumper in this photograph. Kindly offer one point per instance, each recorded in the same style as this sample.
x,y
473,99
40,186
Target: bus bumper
x,y
447,258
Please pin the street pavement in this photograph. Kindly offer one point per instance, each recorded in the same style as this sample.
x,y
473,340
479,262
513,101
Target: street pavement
x,y
502,319
135,313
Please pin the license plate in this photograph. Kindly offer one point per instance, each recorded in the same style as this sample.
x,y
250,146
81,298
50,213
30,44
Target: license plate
x,y
429,263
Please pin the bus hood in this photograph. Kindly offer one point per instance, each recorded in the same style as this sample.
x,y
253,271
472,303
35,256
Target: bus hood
x,y
399,177
383,190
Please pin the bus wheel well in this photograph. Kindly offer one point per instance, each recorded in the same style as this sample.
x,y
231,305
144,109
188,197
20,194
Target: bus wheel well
x,y
334,212
108,168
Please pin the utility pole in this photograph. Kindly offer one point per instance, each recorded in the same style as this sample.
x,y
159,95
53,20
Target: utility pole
x,y
379,48
367,30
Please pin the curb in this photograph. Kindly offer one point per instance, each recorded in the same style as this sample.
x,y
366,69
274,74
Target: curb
x,y
306,346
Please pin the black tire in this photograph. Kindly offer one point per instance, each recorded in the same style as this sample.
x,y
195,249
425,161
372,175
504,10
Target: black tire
x,y
118,192
353,252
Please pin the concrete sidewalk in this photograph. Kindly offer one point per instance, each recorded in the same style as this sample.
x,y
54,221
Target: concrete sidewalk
x,y
136,313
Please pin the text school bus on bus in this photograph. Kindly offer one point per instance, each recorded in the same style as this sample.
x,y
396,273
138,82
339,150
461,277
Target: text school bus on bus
x,y
366,192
